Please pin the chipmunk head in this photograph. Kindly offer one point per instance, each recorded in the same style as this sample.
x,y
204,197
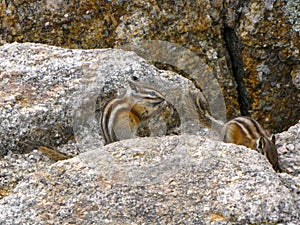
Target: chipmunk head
x,y
146,95
265,145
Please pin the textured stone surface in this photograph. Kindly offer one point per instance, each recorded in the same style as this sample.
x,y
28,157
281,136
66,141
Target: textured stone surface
x,y
296,76
167,180
288,144
251,47
76,24
48,94
177,179
270,39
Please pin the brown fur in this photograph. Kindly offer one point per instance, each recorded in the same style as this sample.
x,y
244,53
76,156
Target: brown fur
x,y
248,132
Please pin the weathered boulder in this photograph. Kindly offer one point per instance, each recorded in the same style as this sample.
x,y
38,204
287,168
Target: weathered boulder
x,y
167,180
252,47
270,38
288,146
51,95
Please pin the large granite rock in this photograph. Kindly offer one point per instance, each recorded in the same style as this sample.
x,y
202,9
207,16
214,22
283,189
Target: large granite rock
x,y
167,180
269,33
288,143
251,47
50,96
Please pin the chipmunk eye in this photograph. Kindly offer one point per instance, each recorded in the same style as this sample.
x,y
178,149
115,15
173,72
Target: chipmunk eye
x,y
152,93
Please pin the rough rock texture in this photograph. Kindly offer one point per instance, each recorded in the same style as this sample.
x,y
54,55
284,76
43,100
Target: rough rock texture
x,y
50,94
168,180
14,167
269,33
288,144
251,47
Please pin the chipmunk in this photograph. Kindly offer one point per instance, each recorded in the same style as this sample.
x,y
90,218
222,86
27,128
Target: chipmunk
x,y
123,115
248,132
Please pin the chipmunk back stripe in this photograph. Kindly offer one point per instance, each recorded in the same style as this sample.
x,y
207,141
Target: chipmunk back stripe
x,y
258,127
248,132
122,116
104,123
247,127
241,126
108,117
117,107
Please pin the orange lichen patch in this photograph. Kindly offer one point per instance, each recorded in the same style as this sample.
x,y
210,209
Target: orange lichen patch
x,y
217,216
13,92
103,184
8,21
4,97
248,61
2,8
4,192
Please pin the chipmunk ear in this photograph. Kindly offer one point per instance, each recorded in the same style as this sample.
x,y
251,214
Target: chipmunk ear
x,y
273,138
134,86
260,144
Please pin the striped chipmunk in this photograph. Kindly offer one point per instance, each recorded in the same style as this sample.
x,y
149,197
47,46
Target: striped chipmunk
x,y
122,116
248,132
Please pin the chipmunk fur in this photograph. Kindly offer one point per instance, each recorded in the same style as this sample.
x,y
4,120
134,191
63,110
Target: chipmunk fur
x,y
248,132
123,115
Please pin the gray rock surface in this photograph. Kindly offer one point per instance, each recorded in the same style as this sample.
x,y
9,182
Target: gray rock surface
x,y
252,47
48,93
167,180
48,97
288,145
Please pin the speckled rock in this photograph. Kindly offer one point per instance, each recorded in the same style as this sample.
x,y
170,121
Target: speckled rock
x,y
288,144
251,47
269,33
178,179
14,167
49,96
76,24
167,180
296,76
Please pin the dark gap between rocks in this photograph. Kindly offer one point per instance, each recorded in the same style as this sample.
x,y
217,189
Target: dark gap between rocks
x,y
234,47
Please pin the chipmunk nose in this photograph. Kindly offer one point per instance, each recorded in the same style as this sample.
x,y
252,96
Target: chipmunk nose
x,y
159,103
